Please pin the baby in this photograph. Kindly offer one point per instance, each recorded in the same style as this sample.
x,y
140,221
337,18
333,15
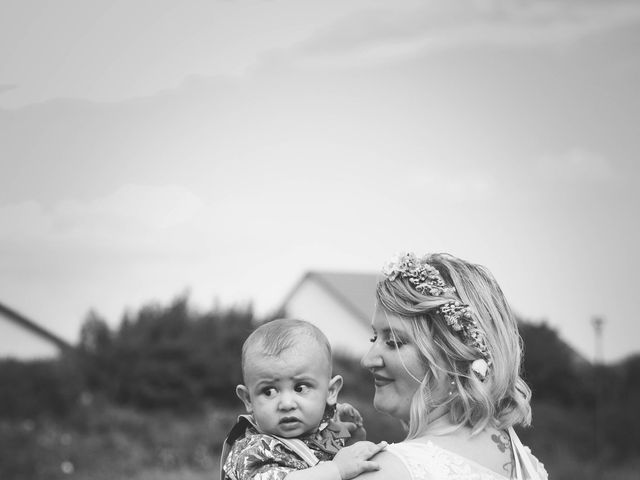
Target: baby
x,y
292,430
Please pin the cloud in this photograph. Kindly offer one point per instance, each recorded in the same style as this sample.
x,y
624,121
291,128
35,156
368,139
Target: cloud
x,y
150,207
24,220
391,34
432,185
5,87
577,165
130,217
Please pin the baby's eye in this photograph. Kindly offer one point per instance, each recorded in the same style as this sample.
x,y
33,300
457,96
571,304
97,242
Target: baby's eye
x,y
268,391
302,388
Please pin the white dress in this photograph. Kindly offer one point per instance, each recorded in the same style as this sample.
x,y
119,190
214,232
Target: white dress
x,y
427,461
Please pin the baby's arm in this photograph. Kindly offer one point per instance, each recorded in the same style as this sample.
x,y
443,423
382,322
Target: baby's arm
x,y
348,463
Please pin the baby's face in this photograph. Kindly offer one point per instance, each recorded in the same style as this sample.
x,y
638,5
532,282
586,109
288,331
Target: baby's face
x,y
287,394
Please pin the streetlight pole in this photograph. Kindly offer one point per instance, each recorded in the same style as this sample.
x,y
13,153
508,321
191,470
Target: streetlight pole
x,y
598,324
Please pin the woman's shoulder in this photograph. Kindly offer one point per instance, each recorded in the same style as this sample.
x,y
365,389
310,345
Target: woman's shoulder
x,y
413,460
443,458
392,465
428,460
424,459
417,460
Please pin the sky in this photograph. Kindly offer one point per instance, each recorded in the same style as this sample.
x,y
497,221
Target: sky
x,y
152,148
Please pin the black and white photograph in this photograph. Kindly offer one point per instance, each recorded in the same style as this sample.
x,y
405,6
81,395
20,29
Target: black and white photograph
x,y
319,240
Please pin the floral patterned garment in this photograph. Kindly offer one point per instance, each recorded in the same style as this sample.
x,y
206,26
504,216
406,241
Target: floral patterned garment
x,y
258,456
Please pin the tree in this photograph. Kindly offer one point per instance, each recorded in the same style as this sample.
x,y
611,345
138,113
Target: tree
x,y
552,369
171,356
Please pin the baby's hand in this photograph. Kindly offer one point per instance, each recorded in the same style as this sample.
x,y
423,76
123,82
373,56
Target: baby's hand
x,y
351,417
354,459
348,413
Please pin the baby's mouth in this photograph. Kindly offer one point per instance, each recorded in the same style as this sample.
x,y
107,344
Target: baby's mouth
x,y
289,420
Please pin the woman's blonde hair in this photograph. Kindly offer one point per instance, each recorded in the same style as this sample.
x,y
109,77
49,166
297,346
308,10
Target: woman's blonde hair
x,y
500,400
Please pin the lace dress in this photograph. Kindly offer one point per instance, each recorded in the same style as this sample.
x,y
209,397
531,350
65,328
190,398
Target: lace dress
x,y
427,461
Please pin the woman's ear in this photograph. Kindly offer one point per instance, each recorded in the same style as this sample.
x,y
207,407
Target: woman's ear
x,y
243,394
335,385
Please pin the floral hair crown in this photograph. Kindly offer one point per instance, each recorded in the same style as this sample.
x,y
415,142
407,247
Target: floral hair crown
x,y
427,280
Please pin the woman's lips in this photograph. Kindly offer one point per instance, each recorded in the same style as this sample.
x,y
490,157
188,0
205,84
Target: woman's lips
x,y
381,381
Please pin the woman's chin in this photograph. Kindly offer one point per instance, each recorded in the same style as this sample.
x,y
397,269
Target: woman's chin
x,y
393,409
381,406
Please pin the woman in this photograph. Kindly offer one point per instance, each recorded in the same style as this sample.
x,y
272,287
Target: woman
x,y
445,360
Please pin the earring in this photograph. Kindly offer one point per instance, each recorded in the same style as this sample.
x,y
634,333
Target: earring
x,y
452,384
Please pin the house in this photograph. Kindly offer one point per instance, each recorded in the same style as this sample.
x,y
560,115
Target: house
x,y
340,304
23,339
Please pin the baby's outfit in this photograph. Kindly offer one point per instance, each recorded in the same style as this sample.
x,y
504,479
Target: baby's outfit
x,y
250,455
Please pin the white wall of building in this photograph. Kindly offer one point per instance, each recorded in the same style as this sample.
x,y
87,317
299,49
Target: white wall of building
x,y
346,333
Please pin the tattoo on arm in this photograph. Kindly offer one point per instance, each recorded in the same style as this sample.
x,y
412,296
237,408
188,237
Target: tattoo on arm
x,y
503,443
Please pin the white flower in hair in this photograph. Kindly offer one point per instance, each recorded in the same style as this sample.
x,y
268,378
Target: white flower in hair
x,y
481,367
393,267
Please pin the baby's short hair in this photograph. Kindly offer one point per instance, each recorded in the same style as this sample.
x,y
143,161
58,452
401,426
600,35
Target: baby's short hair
x,y
272,338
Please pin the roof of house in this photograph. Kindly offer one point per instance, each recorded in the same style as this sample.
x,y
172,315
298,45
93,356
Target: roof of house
x,y
355,291
33,327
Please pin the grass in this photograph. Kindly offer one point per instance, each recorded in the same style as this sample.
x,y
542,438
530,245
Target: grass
x,y
105,442
111,443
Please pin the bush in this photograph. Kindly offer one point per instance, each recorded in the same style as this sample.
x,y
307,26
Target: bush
x,y
38,388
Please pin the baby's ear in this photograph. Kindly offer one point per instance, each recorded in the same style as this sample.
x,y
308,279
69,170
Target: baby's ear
x,y
243,394
335,385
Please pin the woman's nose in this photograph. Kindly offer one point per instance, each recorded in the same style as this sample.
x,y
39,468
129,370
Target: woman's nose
x,y
372,359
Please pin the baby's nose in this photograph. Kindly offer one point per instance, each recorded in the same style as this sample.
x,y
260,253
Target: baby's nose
x,y
287,401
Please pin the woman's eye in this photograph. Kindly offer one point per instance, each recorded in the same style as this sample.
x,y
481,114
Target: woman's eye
x,y
373,339
394,343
